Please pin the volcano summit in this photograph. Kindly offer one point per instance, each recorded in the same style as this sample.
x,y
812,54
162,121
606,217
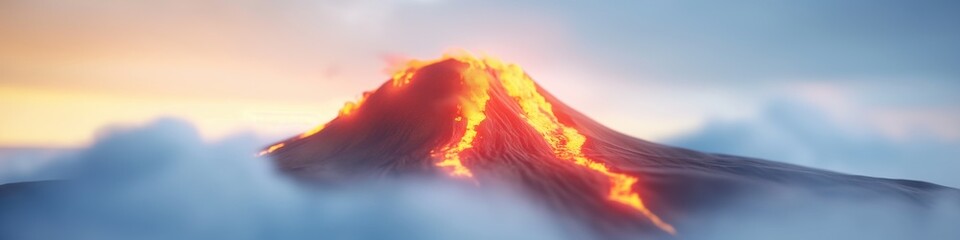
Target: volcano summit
x,y
480,120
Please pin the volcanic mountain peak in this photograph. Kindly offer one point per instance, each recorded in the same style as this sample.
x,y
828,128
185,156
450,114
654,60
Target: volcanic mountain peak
x,y
463,99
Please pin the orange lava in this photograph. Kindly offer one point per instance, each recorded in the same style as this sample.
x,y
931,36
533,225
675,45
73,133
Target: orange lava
x,y
313,131
566,141
350,107
271,149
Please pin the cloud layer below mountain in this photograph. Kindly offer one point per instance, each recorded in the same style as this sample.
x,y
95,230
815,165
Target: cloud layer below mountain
x,y
798,132
163,182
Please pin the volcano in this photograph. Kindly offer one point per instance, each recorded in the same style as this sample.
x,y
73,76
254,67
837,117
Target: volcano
x,y
479,120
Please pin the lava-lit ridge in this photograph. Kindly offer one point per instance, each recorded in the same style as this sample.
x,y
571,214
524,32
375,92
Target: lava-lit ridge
x,y
482,77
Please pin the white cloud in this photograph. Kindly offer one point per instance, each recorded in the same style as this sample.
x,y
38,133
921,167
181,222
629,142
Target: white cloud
x,y
164,182
799,132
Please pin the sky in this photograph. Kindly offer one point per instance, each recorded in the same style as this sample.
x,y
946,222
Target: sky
x,y
869,87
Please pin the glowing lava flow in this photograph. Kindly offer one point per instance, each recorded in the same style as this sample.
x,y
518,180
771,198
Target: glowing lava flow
x,y
350,107
476,82
566,142
271,149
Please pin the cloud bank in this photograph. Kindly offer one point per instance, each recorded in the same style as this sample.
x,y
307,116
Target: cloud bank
x,y
801,133
163,182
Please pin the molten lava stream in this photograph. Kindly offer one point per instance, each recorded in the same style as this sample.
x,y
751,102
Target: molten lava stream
x,y
566,141
473,102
